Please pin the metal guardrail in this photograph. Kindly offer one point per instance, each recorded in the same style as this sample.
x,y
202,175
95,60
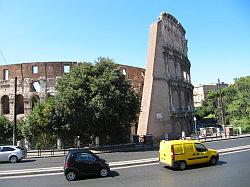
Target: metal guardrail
x,y
103,149
122,147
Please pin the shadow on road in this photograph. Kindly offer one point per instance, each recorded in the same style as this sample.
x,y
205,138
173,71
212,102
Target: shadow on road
x,y
219,163
111,174
198,166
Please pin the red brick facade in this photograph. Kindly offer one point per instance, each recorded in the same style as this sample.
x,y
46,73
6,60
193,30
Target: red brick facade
x,y
45,74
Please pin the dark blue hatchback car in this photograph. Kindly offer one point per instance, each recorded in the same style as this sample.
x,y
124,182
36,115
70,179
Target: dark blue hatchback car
x,y
83,162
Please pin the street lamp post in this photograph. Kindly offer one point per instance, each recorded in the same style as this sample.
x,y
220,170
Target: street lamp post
x,y
195,126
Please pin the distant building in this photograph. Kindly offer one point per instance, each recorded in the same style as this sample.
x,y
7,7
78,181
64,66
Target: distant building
x,y
202,90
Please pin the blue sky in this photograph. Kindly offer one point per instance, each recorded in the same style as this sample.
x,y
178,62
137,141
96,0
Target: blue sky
x,y
218,32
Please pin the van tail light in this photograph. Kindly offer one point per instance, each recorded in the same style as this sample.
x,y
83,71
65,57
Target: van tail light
x,y
172,153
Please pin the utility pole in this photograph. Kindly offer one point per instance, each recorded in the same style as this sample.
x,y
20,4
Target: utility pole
x,y
15,99
222,109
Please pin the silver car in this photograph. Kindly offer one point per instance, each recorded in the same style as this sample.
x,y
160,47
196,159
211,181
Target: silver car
x,y
12,153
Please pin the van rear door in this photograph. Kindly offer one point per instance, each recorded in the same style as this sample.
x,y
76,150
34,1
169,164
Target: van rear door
x,y
178,152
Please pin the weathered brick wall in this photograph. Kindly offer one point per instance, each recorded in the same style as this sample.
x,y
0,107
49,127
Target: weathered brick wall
x,y
48,73
45,69
135,75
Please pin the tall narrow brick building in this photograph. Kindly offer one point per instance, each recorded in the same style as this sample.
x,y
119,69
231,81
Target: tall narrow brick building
x,y
167,101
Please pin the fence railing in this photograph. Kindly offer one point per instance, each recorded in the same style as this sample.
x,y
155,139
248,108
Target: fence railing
x,y
105,149
122,147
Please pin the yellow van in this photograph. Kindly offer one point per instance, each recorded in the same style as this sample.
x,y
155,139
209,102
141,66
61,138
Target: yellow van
x,y
178,154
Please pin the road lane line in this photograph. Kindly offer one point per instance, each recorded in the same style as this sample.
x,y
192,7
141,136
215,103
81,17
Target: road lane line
x,y
133,166
133,161
115,168
61,173
26,176
235,152
120,164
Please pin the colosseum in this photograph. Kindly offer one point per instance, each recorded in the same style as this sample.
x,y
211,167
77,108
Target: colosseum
x,y
167,107
37,80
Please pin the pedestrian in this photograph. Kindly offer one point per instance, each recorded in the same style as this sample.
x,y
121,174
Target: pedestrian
x,y
183,135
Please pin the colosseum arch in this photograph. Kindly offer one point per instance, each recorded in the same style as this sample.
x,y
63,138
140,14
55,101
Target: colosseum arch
x,y
5,105
19,104
35,86
175,97
34,100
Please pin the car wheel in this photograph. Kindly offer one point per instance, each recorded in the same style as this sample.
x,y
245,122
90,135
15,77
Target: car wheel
x,y
13,159
71,176
213,160
104,172
182,165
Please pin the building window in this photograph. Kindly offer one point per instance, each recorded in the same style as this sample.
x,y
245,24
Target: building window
x,y
142,74
185,75
35,87
124,72
66,68
19,104
5,74
5,105
34,69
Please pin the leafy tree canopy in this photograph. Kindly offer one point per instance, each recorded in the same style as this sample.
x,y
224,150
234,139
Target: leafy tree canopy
x,y
236,102
6,129
95,99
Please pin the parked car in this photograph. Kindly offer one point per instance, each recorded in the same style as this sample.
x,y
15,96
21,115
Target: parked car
x,y
181,153
12,154
83,162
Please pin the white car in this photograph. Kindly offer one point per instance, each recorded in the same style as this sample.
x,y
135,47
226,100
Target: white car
x,y
12,153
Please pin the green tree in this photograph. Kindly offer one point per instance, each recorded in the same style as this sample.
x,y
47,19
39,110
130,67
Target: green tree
x,y
238,109
95,99
37,127
6,129
236,102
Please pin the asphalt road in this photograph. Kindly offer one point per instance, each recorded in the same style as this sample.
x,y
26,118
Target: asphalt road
x,y
113,157
232,170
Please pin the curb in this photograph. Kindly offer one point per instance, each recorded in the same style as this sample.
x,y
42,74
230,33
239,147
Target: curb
x,y
60,169
28,172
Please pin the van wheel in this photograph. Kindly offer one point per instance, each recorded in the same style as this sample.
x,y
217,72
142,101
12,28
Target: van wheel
x,y
213,160
104,172
182,165
71,176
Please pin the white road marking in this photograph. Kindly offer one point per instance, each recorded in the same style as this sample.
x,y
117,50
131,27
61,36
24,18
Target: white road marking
x,y
235,152
51,174
36,175
138,163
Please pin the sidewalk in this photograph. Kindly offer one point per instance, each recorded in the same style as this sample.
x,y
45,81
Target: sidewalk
x,y
132,147
214,138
